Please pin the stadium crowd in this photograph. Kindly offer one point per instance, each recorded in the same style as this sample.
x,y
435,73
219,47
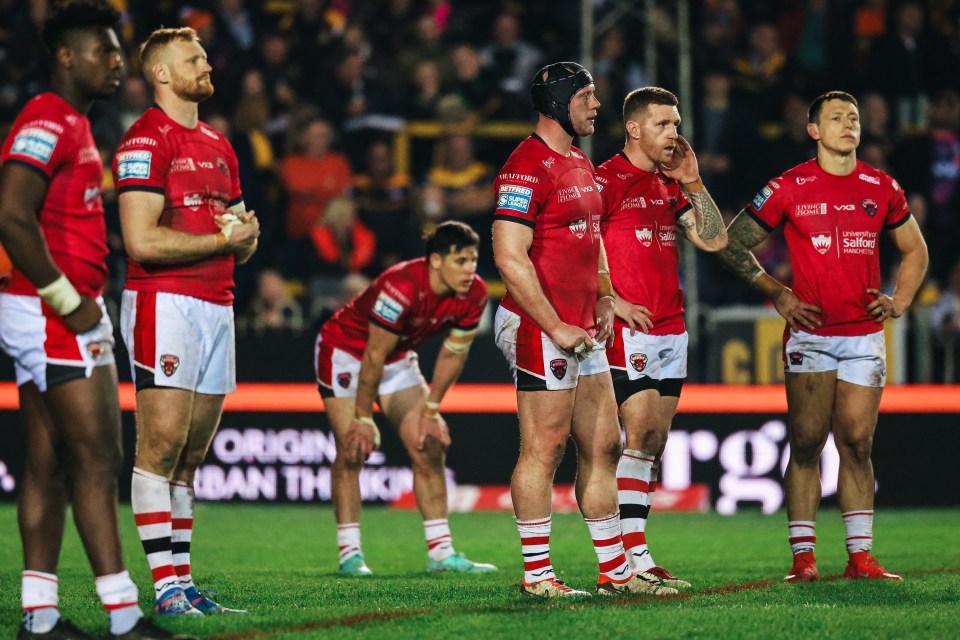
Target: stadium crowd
x,y
313,93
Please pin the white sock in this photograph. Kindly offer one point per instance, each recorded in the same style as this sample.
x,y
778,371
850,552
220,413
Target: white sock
x,y
150,499
119,597
635,480
859,525
181,515
608,545
41,601
348,540
803,537
439,541
535,548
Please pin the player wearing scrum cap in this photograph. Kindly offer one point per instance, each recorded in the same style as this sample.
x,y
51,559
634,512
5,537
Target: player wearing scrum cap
x,y
550,326
365,352
184,227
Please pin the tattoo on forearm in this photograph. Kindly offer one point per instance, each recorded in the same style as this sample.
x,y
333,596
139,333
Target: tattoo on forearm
x,y
744,233
708,217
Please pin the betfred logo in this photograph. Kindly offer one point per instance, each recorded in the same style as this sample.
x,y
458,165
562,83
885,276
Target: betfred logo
x,y
821,241
343,379
644,235
579,227
870,206
169,364
559,368
638,361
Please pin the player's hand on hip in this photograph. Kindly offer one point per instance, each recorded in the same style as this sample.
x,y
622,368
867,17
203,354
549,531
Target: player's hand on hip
x,y
882,306
571,339
797,313
604,320
363,439
635,315
435,427
85,317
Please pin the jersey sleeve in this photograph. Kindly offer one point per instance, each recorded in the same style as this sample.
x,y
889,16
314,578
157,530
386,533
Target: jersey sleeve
x,y
38,143
521,190
392,304
897,210
142,162
608,192
236,191
769,206
474,306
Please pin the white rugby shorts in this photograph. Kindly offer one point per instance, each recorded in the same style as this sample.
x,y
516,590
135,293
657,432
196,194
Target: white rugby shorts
x,y
860,360
645,356
179,341
338,372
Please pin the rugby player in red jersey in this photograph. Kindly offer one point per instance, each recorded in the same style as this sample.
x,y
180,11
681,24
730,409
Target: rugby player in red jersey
x,y
551,326
650,190
184,227
55,327
365,352
833,209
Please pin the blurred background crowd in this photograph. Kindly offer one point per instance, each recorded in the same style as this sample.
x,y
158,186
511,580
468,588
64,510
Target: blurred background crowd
x,y
358,124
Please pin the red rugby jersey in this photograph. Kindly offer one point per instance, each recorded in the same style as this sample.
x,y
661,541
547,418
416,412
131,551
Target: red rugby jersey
x,y
401,301
51,138
832,228
196,172
640,212
556,196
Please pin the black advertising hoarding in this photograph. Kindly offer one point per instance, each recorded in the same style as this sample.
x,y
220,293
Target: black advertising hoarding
x,y
274,445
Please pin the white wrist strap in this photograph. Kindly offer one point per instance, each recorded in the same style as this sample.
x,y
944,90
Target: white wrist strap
x,y
60,295
232,221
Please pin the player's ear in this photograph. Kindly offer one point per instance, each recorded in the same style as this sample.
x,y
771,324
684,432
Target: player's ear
x,y
64,57
161,73
436,260
633,129
813,131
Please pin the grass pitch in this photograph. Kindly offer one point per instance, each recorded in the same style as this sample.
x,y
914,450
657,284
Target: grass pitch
x,y
280,563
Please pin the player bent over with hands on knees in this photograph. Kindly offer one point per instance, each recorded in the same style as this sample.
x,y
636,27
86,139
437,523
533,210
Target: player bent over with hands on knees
x,y
833,209
365,352
54,325
551,326
184,227
650,189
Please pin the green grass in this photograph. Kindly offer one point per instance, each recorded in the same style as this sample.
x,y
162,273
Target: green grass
x,y
280,563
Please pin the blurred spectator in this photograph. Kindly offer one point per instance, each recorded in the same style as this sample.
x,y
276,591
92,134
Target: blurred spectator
x,y
383,199
426,45
312,176
343,243
898,68
929,165
272,308
424,92
353,93
514,62
615,73
473,84
719,131
761,75
284,82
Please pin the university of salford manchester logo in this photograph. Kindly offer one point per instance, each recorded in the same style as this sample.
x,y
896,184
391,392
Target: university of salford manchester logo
x,y
343,379
169,364
644,235
559,368
870,206
638,361
821,241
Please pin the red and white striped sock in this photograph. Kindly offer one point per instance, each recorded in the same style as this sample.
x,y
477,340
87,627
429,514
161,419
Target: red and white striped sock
x,y
119,597
41,601
859,526
635,491
439,541
535,547
608,545
348,540
181,512
150,499
803,538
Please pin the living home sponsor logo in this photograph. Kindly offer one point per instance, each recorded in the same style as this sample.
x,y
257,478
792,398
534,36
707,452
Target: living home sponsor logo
x,y
579,227
520,177
859,242
636,202
869,179
821,241
644,235
569,193
514,197
812,209
182,164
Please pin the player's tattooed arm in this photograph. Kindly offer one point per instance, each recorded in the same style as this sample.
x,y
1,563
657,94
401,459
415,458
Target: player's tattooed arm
x,y
703,225
745,233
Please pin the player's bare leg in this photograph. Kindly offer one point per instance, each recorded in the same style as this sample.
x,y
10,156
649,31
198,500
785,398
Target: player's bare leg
x,y
854,423
404,410
164,416
810,400
345,489
596,430
647,417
